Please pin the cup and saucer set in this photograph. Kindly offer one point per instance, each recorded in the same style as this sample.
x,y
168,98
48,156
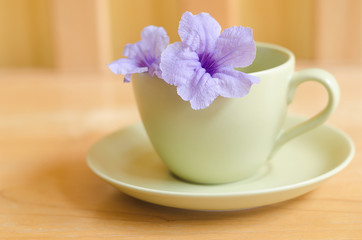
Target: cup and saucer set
x,y
236,154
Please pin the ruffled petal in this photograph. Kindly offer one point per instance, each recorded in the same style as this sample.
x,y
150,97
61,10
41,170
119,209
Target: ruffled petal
x,y
203,91
233,83
199,32
126,66
156,38
149,48
181,67
178,64
154,69
235,47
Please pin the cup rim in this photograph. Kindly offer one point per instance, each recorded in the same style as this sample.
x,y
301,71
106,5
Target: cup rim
x,y
290,60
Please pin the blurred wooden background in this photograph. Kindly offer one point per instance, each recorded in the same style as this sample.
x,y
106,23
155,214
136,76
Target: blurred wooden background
x,y
57,98
84,35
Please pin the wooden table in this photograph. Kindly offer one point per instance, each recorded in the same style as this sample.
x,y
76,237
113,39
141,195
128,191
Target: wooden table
x,y
48,121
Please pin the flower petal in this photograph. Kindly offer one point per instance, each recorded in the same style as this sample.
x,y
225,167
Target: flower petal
x,y
199,32
181,67
149,48
156,38
235,47
178,64
233,83
203,91
127,78
126,66
155,68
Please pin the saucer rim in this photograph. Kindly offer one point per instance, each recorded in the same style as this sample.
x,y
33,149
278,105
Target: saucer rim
x,y
289,187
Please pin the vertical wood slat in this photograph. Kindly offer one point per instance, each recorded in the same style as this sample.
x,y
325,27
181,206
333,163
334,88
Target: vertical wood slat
x,y
224,11
25,34
81,35
339,31
328,30
283,22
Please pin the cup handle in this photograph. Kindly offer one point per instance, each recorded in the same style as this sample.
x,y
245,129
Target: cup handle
x,y
331,85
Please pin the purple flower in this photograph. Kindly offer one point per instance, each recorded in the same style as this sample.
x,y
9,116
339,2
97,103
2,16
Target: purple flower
x,y
143,56
202,65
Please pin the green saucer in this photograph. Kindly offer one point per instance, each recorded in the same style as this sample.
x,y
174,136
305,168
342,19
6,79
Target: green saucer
x,y
127,160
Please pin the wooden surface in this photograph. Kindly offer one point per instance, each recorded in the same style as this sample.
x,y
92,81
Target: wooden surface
x,y
48,121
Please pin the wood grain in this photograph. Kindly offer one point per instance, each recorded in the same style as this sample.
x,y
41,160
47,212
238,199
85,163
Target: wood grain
x,y
26,34
81,35
331,33
49,121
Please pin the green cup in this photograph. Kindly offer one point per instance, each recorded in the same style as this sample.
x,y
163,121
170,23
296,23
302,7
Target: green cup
x,y
232,138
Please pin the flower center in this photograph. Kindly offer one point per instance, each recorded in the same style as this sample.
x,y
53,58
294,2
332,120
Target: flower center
x,y
208,63
146,61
